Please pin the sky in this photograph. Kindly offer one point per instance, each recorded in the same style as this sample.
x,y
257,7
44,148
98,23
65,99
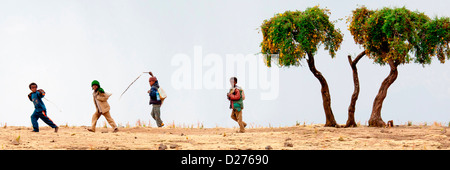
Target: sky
x,y
191,47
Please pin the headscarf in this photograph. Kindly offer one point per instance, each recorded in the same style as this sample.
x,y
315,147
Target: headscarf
x,y
95,82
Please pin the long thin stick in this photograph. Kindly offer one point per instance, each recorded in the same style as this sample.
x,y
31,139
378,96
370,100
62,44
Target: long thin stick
x,y
131,84
53,104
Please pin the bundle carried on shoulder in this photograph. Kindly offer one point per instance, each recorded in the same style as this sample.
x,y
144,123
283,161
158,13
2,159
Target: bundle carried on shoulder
x,y
236,97
162,94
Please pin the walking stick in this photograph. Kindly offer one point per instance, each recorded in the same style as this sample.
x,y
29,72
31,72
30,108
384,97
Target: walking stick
x,y
53,104
132,84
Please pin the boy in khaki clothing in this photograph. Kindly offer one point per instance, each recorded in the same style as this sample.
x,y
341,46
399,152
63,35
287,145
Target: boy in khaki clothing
x,y
236,97
102,106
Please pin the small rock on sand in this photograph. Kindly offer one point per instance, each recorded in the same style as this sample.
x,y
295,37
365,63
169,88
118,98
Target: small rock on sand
x,y
15,142
288,144
162,147
173,146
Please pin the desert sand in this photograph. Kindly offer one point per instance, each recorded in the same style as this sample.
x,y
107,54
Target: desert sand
x,y
302,137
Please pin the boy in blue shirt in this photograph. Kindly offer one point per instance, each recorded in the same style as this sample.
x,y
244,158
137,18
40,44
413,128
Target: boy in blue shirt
x,y
39,108
156,110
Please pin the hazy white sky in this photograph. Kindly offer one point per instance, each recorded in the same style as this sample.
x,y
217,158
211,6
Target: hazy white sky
x,y
64,45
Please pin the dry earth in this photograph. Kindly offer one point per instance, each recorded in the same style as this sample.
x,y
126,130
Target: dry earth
x,y
315,137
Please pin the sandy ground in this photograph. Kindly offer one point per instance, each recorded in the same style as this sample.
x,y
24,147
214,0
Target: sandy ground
x,y
301,137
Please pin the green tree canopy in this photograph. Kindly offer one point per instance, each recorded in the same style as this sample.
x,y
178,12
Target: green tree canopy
x,y
293,34
395,33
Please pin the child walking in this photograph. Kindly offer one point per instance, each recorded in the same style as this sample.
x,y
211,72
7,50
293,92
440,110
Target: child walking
x,y
155,100
236,97
40,111
102,106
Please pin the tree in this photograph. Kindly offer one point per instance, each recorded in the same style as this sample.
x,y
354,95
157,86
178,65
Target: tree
x,y
296,35
390,35
351,109
358,17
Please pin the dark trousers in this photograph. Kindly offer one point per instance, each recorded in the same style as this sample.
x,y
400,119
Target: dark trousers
x,y
156,114
43,115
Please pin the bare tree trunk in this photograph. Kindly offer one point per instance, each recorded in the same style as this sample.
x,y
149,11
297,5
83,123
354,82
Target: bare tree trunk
x,y
330,121
375,118
351,109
